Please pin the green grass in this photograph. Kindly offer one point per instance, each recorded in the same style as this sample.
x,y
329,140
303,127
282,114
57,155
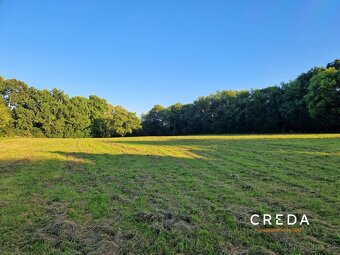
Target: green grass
x,y
168,195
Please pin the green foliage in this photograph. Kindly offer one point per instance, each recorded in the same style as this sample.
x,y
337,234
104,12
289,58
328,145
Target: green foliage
x,y
154,121
5,116
335,64
310,103
122,122
323,98
43,113
99,128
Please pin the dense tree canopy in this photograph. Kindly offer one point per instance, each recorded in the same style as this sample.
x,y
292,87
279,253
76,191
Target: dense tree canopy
x,y
310,103
323,98
44,113
121,122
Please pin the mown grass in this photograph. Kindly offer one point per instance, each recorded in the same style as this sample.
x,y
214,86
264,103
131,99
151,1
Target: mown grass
x,y
168,195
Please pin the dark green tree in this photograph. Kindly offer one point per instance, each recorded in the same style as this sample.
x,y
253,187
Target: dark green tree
x,y
155,121
173,115
98,110
323,98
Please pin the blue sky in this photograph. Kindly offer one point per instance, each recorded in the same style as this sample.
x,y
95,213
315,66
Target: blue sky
x,y
141,53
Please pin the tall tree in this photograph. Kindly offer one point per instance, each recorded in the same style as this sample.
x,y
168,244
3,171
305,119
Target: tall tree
x,y
323,98
174,114
98,108
154,122
122,122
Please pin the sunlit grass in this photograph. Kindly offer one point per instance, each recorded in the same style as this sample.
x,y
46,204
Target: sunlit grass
x,y
191,194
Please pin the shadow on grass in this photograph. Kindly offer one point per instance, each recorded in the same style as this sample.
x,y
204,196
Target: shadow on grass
x,y
100,203
214,141
314,146
138,203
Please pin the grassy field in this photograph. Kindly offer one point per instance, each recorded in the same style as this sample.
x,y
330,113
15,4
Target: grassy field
x,y
168,195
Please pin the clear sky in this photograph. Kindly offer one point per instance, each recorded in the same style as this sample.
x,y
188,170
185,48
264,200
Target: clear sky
x,y
141,53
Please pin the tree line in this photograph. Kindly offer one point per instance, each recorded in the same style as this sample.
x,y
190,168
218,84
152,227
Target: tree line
x,y
27,111
310,103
